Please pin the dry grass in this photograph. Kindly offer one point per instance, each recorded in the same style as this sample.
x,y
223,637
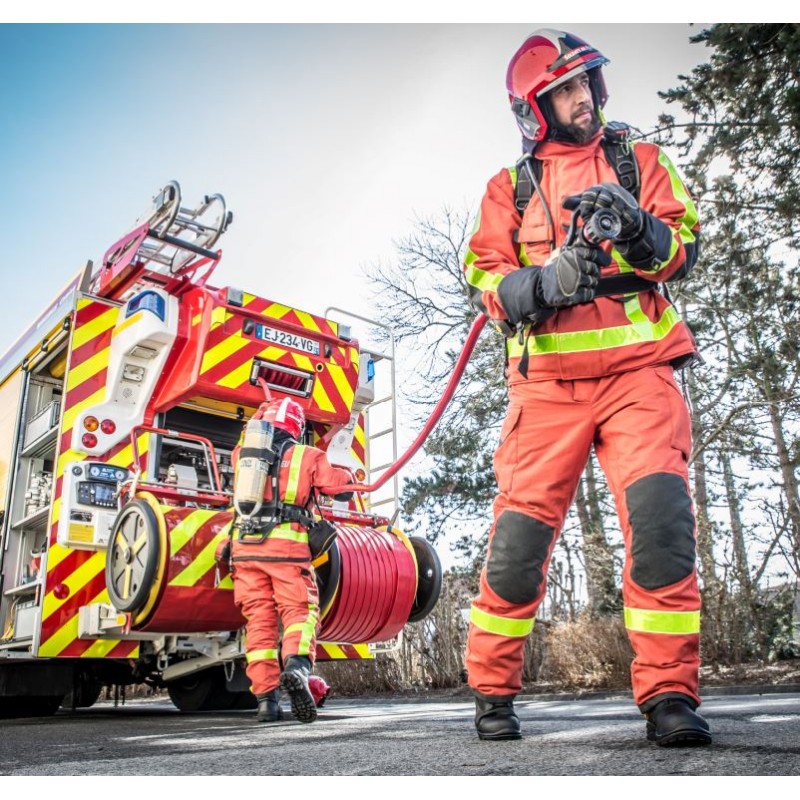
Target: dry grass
x,y
587,654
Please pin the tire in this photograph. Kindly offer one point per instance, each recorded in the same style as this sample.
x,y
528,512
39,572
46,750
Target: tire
x,y
85,695
32,706
245,701
203,691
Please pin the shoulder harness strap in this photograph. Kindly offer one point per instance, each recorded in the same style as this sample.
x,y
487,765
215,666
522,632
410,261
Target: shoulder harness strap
x,y
275,504
619,152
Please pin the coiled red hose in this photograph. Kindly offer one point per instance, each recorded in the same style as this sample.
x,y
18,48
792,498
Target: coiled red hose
x,y
379,583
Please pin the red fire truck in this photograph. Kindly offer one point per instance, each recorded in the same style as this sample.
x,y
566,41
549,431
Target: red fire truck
x,y
119,409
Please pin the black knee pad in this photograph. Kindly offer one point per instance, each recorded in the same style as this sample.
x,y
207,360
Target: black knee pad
x,y
517,554
660,513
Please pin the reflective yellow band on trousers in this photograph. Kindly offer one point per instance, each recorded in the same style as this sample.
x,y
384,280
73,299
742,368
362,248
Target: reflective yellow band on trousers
x,y
641,329
307,630
261,655
644,621
502,626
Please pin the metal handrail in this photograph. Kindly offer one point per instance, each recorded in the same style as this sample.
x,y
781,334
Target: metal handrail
x,y
390,357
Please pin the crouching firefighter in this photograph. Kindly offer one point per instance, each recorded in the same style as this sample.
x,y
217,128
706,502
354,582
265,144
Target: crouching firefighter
x,y
271,555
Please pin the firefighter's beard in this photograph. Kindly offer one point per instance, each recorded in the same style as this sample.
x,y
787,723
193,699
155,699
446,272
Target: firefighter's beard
x,y
585,131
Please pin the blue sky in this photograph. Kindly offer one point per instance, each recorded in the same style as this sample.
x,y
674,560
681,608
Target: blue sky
x,y
326,140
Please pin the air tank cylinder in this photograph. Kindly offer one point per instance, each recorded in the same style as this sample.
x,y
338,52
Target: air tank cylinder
x,y
252,471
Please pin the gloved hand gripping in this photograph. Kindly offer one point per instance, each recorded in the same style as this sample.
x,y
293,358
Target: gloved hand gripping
x,y
644,241
571,276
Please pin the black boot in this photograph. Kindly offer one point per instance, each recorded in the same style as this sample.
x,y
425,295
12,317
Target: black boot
x,y
673,722
294,681
269,709
496,719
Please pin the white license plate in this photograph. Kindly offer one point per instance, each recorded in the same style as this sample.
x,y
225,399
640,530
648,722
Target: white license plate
x,y
287,339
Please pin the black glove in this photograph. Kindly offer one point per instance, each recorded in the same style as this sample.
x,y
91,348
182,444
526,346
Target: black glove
x,y
644,240
620,201
571,277
321,536
520,294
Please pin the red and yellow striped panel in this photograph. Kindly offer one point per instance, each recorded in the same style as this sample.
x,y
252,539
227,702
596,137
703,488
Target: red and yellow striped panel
x,y
192,600
217,359
359,446
327,651
80,572
277,311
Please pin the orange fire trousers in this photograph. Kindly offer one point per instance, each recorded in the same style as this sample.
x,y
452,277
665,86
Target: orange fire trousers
x,y
639,426
270,593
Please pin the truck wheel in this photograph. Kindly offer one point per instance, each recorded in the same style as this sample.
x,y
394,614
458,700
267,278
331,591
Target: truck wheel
x,y
203,691
34,706
85,695
244,701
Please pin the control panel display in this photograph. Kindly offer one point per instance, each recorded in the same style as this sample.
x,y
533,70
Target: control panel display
x,y
106,472
89,504
97,494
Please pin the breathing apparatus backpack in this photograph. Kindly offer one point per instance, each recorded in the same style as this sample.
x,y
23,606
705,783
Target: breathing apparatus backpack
x,y
258,475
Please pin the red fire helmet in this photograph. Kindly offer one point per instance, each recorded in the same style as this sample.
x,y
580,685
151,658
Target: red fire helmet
x,y
319,689
546,59
288,415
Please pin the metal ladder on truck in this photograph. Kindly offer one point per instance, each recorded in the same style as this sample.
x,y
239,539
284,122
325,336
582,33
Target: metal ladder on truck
x,y
383,441
170,245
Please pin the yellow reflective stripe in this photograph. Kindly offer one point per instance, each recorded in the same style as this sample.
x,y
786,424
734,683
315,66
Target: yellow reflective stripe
x,y
480,278
333,651
623,265
294,474
634,312
226,583
672,622
585,341
203,562
512,173
307,630
502,626
523,257
689,218
187,527
261,655
285,531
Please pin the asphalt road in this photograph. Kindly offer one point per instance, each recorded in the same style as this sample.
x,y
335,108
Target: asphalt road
x,y
753,735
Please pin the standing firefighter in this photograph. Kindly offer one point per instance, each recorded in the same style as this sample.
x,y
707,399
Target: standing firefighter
x,y
592,346
273,575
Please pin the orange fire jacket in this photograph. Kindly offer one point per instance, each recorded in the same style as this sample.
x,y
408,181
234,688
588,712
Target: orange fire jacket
x,y
610,334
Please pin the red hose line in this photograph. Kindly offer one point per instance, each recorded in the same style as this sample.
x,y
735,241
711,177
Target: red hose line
x,y
452,384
